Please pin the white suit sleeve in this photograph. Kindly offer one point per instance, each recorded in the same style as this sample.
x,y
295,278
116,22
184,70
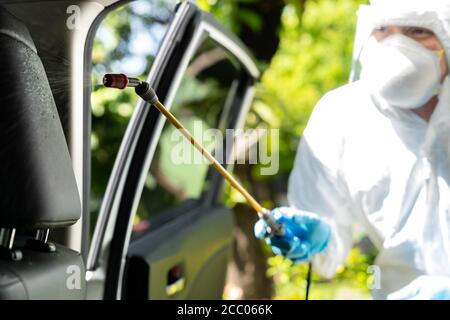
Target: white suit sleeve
x,y
315,184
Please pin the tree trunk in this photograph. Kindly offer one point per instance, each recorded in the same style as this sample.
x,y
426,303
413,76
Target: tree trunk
x,y
247,277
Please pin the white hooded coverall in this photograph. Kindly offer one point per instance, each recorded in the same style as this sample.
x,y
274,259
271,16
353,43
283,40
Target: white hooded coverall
x,y
363,160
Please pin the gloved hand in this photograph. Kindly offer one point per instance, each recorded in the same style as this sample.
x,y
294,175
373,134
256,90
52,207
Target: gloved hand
x,y
305,234
424,288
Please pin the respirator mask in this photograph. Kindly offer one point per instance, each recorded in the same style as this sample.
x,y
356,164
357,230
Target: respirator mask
x,y
401,71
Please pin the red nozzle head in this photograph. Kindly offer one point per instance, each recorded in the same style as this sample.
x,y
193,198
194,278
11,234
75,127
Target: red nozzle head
x,y
115,80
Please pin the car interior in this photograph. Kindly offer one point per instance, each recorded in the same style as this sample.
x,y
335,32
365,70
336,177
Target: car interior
x,y
87,216
38,186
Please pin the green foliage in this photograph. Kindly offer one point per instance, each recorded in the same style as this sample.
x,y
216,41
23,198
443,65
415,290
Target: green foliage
x,y
229,13
119,47
352,280
314,57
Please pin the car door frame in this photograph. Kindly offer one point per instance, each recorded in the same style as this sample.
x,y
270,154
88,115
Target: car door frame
x,y
189,27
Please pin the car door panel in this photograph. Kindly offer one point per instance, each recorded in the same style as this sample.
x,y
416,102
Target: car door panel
x,y
203,257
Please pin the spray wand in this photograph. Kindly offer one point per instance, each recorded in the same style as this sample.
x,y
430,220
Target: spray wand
x,y
146,92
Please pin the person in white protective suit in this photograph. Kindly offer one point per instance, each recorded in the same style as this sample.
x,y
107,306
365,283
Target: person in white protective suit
x,y
376,151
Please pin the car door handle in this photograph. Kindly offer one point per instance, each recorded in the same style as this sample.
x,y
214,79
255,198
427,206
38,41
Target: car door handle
x,y
175,280
175,287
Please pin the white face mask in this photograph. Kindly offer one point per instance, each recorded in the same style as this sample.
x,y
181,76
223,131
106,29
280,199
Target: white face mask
x,y
401,70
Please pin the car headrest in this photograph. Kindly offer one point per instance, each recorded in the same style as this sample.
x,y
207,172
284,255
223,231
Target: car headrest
x,y
37,183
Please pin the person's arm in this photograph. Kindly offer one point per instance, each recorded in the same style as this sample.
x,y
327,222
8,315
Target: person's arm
x,y
316,184
425,287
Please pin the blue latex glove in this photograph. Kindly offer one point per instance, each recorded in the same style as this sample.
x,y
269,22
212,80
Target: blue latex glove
x,y
305,234
424,288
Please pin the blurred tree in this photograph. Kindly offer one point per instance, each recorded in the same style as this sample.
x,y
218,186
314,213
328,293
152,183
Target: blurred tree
x,y
250,20
305,52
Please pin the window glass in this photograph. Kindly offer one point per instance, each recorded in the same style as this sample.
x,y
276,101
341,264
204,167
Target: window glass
x,y
126,41
178,172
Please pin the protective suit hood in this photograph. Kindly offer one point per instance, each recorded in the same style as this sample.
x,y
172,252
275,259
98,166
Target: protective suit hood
x,y
431,14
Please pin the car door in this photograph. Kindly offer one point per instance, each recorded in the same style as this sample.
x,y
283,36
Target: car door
x,y
163,231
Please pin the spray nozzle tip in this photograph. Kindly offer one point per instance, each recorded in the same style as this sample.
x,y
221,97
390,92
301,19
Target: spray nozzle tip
x,y
115,80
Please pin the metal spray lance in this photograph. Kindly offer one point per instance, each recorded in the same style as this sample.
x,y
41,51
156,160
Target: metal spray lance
x,y
146,92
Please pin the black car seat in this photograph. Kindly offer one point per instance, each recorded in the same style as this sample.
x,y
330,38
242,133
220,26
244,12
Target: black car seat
x,y
37,185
